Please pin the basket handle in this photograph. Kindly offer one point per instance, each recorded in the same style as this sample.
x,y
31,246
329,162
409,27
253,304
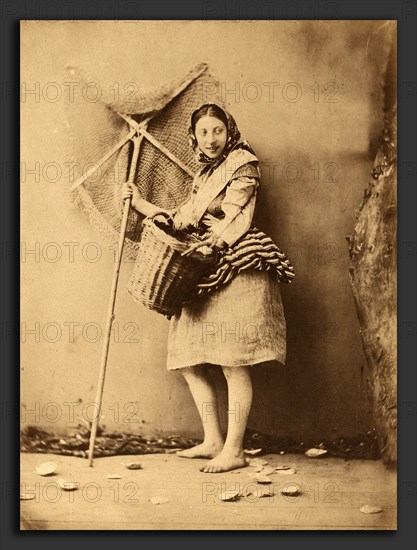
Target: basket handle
x,y
161,213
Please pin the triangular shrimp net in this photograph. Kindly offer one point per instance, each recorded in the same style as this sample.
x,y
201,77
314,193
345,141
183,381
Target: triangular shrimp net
x,y
94,127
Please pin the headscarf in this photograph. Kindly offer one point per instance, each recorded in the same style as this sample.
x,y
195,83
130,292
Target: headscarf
x,y
233,137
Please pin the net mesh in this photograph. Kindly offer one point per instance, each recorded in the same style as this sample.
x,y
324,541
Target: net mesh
x,y
94,127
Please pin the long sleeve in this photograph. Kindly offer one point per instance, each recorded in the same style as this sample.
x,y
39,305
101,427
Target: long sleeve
x,y
238,206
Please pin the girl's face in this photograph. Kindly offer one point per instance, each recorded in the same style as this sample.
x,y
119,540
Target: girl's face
x,y
211,136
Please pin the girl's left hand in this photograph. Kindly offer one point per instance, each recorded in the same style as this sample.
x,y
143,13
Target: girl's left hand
x,y
180,223
209,242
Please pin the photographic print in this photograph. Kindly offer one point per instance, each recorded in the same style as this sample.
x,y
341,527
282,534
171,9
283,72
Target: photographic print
x,y
208,275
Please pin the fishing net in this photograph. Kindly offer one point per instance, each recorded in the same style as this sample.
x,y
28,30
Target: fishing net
x,y
94,127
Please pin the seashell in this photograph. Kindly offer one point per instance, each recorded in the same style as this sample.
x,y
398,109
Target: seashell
x,y
113,476
159,500
27,496
315,453
368,509
289,471
67,485
266,471
252,452
229,495
264,480
269,493
133,466
290,491
245,493
46,468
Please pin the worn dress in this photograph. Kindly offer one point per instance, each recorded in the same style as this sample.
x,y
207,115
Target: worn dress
x,y
242,323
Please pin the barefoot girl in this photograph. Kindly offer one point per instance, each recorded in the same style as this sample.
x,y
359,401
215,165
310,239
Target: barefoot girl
x,y
236,320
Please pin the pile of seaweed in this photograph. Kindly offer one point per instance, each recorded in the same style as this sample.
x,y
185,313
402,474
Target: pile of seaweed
x,y
36,440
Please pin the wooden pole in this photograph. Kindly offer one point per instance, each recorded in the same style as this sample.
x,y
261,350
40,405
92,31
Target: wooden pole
x,y
110,313
141,129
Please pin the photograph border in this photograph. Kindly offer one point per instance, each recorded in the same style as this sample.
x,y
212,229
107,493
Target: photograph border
x,y
405,13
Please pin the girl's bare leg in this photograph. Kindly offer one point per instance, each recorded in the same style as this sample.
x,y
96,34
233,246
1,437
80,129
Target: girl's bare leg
x,y
204,395
240,400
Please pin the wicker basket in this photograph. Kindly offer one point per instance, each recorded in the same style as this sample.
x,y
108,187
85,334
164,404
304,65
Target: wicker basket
x,y
162,279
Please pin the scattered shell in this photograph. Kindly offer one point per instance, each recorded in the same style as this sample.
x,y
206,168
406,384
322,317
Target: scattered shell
x,y
159,500
133,466
266,471
315,453
62,441
288,471
282,453
263,479
229,495
270,493
368,509
283,468
290,491
113,476
27,496
46,468
67,485
252,452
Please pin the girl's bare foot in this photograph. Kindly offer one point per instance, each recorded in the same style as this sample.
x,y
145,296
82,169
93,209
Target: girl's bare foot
x,y
225,461
204,450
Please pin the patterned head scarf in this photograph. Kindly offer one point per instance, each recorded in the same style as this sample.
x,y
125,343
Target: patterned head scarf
x,y
233,136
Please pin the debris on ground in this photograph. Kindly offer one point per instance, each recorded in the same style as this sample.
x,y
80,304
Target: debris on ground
x,y
35,440
133,466
252,452
263,480
368,509
265,470
46,468
227,496
76,442
361,446
315,453
67,485
27,496
269,493
291,491
159,500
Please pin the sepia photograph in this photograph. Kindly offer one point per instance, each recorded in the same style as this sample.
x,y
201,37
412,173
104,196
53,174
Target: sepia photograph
x,y
208,275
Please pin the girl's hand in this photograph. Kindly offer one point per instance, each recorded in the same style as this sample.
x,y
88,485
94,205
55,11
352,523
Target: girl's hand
x,y
206,245
129,190
180,223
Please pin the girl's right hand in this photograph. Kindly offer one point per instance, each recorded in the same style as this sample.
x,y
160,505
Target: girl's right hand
x,y
129,190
